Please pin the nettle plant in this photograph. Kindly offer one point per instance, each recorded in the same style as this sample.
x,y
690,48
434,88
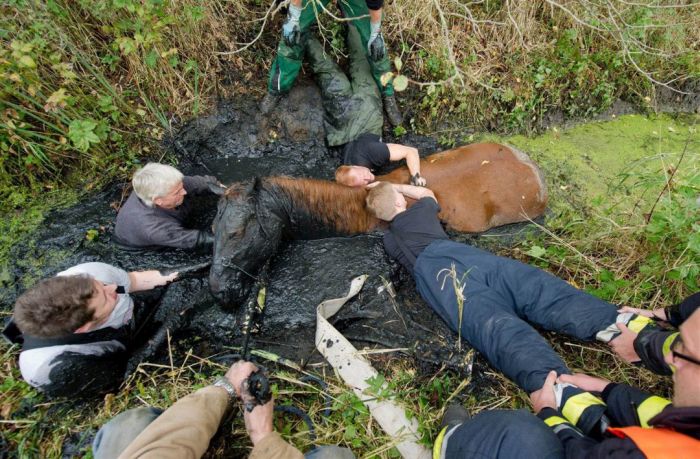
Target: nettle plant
x,y
674,232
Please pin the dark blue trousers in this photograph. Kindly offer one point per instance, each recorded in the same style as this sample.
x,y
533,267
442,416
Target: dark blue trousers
x,y
501,434
502,297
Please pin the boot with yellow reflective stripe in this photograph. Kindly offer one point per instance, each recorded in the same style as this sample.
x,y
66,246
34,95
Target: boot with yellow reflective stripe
x,y
454,416
583,409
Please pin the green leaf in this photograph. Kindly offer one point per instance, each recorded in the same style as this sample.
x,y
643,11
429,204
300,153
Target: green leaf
x,y
91,234
397,63
350,432
151,58
82,134
536,251
27,61
507,95
400,83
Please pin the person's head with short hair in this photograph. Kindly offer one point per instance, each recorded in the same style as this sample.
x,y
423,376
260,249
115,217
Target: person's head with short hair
x,y
62,305
354,176
686,391
160,185
384,202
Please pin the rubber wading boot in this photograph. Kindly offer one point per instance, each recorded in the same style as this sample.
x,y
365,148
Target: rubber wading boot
x,y
269,102
391,108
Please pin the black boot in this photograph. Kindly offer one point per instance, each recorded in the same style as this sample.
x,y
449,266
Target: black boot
x,y
391,108
269,102
454,415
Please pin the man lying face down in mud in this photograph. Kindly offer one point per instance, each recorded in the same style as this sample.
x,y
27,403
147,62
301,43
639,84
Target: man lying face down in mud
x,y
480,186
491,301
353,116
78,327
154,214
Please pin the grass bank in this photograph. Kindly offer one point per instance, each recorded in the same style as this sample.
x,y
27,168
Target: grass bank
x,y
596,238
89,87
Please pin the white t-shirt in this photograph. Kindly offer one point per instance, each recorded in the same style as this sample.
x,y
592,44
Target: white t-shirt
x,y
36,364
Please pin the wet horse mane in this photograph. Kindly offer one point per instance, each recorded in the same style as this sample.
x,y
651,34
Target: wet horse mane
x,y
337,206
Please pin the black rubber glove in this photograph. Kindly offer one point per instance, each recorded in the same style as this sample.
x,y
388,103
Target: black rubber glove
x,y
377,48
417,180
205,240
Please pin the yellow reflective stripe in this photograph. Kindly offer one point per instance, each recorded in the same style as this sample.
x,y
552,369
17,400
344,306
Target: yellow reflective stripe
x,y
437,447
555,421
650,408
638,323
576,405
668,342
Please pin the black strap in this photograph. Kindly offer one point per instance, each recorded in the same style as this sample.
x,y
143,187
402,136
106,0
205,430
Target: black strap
x,y
121,334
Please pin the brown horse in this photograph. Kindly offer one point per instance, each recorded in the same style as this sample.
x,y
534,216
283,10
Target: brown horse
x,y
478,186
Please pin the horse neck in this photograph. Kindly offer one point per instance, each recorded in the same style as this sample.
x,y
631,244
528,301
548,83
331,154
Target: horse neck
x,y
309,203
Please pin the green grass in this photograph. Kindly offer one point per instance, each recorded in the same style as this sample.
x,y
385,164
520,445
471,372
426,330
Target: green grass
x,y
90,86
597,239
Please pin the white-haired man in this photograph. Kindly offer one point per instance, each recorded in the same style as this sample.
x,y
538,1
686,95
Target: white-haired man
x,y
155,213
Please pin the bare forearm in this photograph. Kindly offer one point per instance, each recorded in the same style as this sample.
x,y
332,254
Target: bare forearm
x,y
413,162
397,152
147,280
415,192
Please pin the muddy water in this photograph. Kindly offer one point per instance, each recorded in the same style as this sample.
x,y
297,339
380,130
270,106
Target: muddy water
x,y
235,144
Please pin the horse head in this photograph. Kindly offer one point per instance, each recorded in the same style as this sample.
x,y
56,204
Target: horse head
x,y
245,237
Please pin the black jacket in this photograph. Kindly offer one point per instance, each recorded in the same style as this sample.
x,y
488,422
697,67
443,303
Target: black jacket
x,y
653,343
623,409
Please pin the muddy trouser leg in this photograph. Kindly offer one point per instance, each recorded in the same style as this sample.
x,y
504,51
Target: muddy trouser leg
x,y
360,71
335,87
114,437
287,64
502,434
501,297
357,8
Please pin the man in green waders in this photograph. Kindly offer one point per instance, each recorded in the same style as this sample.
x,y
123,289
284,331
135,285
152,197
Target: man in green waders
x,y
290,52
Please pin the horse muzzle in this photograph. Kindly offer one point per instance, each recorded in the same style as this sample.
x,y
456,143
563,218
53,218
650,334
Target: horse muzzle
x,y
229,287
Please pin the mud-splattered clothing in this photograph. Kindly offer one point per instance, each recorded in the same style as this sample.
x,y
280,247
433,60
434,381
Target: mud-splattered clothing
x,y
66,370
288,62
141,226
185,429
412,231
368,151
351,106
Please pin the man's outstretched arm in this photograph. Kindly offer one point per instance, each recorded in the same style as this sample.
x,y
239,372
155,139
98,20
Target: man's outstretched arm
x,y
415,192
397,152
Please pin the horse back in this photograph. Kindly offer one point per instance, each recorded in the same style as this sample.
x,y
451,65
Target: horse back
x,y
481,186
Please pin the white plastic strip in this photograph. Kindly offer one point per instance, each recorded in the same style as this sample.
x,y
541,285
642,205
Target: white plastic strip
x,y
356,370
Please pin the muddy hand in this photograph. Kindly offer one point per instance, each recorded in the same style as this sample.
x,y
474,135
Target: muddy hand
x,y
255,390
187,272
216,187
